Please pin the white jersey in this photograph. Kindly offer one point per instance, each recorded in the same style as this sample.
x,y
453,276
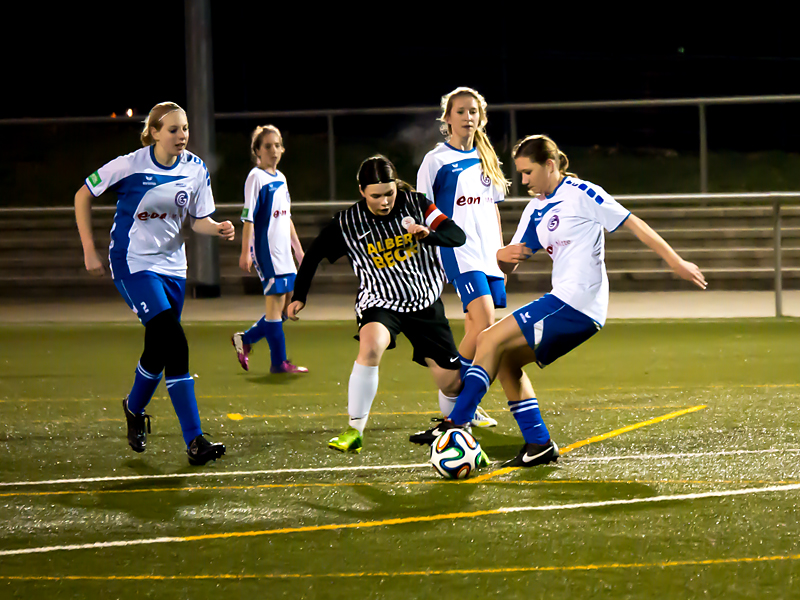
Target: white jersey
x,y
152,203
454,180
569,225
267,206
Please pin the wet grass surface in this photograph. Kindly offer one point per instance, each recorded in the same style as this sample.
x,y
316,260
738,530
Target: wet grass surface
x,y
403,532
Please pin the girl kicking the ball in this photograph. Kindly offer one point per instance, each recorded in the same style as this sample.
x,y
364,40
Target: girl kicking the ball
x,y
157,187
268,239
566,218
390,237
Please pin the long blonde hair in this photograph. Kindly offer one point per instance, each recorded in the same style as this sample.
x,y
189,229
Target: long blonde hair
x,y
490,163
154,118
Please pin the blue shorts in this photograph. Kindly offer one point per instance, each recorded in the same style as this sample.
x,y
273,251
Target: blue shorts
x,y
148,294
475,284
553,328
280,284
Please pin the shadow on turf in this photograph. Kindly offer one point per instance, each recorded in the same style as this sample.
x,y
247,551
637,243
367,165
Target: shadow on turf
x,y
499,446
273,378
386,504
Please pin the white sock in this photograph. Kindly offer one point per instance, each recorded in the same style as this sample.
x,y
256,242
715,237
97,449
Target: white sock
x,y
446,403
360,394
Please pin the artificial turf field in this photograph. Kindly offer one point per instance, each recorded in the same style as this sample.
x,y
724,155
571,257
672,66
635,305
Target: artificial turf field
x,y
699,504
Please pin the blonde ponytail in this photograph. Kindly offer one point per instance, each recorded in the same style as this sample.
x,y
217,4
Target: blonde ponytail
x,y
490,163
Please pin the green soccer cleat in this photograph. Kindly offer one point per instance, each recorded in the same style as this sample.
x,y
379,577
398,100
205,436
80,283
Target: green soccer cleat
x,y
349,441
483,461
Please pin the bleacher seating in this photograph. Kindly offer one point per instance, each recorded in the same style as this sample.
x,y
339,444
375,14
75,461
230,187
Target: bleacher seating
x,y
40,252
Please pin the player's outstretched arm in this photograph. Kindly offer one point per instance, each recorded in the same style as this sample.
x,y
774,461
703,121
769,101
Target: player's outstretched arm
x,y
684,269
83,216
209,226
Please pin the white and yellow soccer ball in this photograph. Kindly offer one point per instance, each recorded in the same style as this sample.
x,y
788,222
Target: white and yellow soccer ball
x,y
455,454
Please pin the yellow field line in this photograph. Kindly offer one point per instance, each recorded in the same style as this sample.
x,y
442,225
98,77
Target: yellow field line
x,y
426,573
597,438
521,482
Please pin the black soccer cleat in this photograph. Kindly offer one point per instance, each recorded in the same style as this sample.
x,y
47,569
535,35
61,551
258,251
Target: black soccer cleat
x,y
534,454
137,435
428,436
201,451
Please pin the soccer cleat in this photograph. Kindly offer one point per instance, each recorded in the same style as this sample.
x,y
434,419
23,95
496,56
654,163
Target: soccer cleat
x,y
534,454
483,461
481,419
428,436
201,451
349,441
242,350
287,367
137,435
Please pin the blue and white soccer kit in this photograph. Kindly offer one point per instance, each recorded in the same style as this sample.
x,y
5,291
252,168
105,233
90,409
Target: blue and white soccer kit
x,y
147,246
568,224
455,181
267,205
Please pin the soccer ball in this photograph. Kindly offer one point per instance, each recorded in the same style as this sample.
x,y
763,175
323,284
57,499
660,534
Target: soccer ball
x,y
455,454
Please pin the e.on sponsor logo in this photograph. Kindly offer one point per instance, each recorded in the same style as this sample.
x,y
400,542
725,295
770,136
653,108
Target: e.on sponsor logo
x,y
464,200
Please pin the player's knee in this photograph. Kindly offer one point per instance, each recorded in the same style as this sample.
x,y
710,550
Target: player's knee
x,y
175,345
370,355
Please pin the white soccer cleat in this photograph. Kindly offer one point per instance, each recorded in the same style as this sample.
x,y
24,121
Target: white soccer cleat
x,y
482,419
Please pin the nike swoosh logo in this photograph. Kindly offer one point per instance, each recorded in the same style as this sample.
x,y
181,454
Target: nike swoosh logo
x,y
526,458
363,235
454,359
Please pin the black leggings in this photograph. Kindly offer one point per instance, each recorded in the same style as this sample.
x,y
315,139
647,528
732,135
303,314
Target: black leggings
x,y
165,345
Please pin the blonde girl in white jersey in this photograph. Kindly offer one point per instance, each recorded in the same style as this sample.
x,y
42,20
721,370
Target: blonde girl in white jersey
x,y
469,196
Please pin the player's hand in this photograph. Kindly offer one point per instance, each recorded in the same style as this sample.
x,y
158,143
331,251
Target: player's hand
x,y
299,257
294,308
514,253
245,262
226,230
94,263
418,231
690,272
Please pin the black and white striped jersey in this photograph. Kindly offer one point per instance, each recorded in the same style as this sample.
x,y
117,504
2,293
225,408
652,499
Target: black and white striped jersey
x,y
395,271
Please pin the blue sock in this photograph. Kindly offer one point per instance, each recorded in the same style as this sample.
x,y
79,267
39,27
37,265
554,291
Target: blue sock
x,y
465,365
181,392
529,419
276,341
144,386
476,384
257,332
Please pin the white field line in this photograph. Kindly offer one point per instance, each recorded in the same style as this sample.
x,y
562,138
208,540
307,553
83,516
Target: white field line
x,y
212,474
512,509
600,459
365,468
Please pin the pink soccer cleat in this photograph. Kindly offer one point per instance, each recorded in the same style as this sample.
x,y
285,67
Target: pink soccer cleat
x,y
242,350
287,367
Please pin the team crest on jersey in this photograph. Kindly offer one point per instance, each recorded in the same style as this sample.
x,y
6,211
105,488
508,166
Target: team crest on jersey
x,y
181,198
553,223
485,179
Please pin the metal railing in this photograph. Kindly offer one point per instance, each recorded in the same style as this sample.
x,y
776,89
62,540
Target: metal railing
x,y
510,109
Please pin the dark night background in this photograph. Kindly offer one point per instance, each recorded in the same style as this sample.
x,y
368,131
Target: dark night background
x,y
71,61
